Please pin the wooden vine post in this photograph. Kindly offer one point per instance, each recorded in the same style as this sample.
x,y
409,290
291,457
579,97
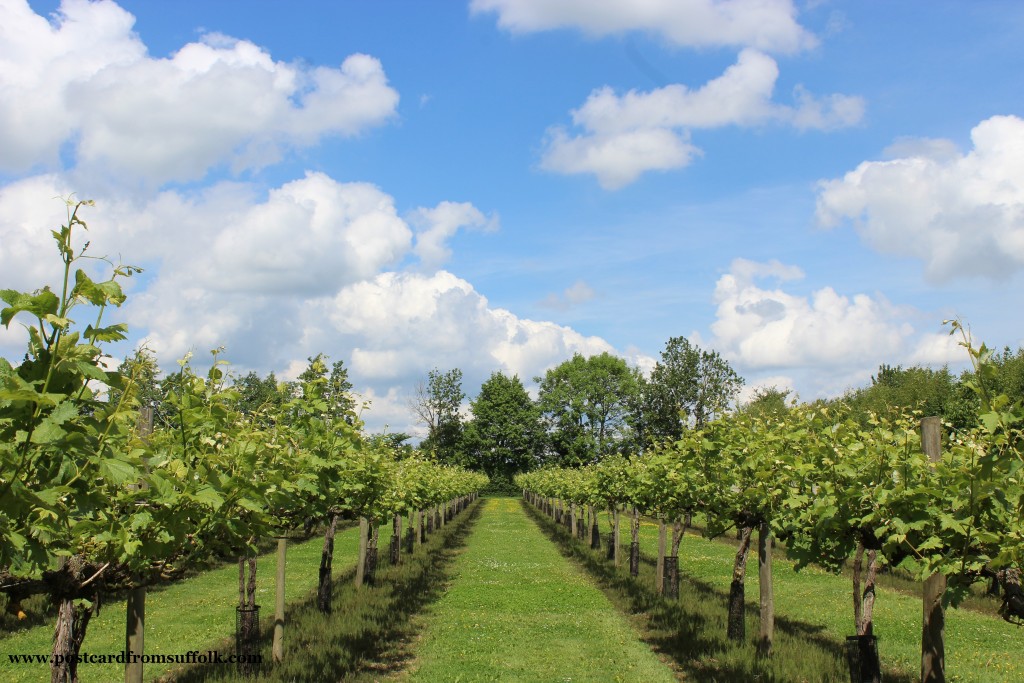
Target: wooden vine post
x,y
278,648
364,526
135,616
933,649
616,555
767,594
659,575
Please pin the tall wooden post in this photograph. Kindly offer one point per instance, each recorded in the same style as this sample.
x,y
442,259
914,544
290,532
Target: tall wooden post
x,y
364,527
767,593
615,536
135,606
659,575
933,648
278,649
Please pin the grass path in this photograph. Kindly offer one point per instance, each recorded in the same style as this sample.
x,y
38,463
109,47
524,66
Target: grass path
x,y
187,615
517,610
815,604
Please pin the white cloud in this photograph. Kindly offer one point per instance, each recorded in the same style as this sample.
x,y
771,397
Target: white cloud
x,y
961,214
938,348
574,295
770,328
435,226
766,24
86,79
623,136
308,267
403,324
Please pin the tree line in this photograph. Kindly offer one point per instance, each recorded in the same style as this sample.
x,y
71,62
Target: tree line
x,y
587,408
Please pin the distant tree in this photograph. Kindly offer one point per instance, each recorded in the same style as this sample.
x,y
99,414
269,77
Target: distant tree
x,y
437,406
1010,373
767,401
142,368
395,442
337,389
258,393
895,389
585,403
505,435
687,384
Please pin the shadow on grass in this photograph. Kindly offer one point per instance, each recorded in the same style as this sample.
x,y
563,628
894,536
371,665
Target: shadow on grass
x,y
691,632
365,636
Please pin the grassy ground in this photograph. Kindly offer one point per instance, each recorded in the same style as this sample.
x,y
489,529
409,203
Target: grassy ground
x,y
518,611
192,614
814,614
364,637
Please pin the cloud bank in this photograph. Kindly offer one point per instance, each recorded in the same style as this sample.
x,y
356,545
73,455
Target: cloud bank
x,y
961,214
619,138
82,84
765,24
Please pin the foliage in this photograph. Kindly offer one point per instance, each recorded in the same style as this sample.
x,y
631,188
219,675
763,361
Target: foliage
x,y
88,505
437,406
687,385
505,435
585,406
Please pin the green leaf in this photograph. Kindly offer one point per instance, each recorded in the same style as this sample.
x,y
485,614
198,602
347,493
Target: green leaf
x,y
40,304
111,333
51,428
118,471
209,496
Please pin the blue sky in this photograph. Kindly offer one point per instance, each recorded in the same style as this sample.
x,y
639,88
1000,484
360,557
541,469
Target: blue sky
x,y
808,187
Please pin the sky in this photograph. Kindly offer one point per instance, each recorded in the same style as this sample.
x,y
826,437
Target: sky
x,y
808,187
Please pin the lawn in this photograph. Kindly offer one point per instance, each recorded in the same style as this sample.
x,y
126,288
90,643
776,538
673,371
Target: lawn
x,y
517,610
814,614
196,613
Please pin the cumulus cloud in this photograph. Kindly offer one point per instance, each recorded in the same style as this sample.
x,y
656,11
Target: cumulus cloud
x,y
437,225
401,322
961,214
766,24
769,328
621,137
574,295
312,266
84,78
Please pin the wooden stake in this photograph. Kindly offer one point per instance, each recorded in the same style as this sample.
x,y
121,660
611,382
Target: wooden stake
x,y
278,650
933,648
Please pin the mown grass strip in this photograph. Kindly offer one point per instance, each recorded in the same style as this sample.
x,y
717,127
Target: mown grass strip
x,y
364,637
518,611
193,614
813,607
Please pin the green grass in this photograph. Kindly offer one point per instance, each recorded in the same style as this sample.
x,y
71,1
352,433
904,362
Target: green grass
x,y
518,611
193,614
364,637
814,614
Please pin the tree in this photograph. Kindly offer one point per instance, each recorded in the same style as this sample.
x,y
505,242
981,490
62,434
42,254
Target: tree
x,y
505,435
258,393
142,367
767,402
687,384
585,403
336,391
437,407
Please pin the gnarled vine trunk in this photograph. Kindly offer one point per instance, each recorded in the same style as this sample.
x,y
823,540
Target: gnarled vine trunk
x,y
72,620
866,627
325,587
736,629
1012,608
